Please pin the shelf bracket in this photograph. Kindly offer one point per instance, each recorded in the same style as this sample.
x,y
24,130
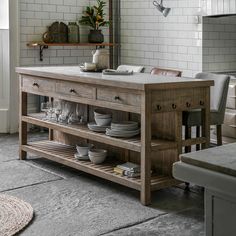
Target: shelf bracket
x,y
41,48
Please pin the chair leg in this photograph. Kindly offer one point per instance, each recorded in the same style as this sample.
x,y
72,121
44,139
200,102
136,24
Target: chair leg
x,y
188,135
197,135
219,135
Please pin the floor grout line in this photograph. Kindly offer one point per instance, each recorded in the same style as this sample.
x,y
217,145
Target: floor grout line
x,y
30,185
133,224
146,220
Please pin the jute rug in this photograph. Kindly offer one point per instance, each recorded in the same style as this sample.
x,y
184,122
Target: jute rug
x,y
15,214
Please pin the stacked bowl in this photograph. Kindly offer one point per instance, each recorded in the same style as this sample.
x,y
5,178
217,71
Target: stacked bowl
x,y
102,118
102,121
97,156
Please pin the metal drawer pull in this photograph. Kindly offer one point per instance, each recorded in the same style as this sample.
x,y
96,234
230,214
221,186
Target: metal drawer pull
x,y
158,107
117,98
201,103
35,85
72,91
188,104
174,106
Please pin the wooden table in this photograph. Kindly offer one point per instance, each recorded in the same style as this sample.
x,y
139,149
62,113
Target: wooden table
x,y
156,101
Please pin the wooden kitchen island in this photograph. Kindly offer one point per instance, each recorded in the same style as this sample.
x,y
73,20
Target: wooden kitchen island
x,y
156,102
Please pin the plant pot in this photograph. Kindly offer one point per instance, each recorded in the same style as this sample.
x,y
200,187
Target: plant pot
x,y
95,36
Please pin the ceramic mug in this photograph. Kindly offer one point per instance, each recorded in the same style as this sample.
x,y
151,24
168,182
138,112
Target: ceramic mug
x,y
88,66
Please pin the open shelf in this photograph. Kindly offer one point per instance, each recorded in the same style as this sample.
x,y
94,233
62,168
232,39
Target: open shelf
x,y
37,44
133,144
41,45
64,154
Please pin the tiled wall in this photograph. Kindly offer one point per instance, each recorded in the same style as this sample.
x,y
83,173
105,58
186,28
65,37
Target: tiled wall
x,y
150,39
219,44
36,15
214,7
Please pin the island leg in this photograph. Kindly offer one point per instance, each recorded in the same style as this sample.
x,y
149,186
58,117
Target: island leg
x,y
206,120
22,125
146,149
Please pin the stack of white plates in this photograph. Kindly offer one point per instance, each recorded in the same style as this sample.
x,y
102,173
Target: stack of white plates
x,y
94,127
125,129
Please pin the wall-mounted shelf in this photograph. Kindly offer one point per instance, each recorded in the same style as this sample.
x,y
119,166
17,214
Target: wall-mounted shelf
x,y
43,46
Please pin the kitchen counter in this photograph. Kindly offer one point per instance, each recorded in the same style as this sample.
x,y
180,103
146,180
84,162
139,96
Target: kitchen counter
x,y
214,169
138,81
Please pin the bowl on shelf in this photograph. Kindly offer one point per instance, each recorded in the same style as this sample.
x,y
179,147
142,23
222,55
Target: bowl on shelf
x,y
103,121
83,149
97,156
100,113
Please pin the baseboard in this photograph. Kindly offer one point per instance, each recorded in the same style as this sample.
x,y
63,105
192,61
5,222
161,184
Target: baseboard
x,y
4,122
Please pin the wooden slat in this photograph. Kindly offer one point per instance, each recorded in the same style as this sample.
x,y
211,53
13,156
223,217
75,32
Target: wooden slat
x,y
64,154
193,141
133,144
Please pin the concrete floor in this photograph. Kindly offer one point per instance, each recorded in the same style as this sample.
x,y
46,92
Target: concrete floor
x,y
68,202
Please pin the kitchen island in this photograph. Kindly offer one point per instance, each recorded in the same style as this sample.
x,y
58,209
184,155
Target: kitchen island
x,y
215,170
157,102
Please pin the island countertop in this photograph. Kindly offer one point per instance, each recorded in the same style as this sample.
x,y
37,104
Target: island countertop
x,y
137,81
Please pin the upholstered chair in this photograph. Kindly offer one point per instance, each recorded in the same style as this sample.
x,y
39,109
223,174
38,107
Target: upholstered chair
x,y
218,97
166,72
137,69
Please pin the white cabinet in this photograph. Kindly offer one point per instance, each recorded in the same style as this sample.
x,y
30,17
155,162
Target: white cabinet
x,y
216,7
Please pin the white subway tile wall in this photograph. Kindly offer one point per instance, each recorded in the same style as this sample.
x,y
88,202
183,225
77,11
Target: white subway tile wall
x,y
219,44
150,39
36,16
214,7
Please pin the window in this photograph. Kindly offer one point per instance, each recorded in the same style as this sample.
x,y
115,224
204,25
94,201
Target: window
x,y
4,14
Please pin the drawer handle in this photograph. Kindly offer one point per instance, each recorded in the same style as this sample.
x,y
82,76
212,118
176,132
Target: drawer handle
x,y
117,98
188,104
201,103
72,91
158,107
36,85
174,106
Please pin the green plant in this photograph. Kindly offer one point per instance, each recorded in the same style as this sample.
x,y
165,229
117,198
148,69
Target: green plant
x,y
94,16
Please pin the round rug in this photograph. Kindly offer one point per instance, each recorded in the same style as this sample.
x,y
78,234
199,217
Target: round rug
x,y
15,214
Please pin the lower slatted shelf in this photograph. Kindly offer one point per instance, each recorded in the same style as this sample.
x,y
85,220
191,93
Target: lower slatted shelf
x,y
64,154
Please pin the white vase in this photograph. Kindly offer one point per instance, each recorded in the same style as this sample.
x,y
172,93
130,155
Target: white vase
x,y
101,58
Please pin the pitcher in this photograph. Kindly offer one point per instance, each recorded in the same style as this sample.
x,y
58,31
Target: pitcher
x,y
101,58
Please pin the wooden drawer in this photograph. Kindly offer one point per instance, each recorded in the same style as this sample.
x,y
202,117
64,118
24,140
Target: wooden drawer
x,y
178,100
75,89
117,97
37,85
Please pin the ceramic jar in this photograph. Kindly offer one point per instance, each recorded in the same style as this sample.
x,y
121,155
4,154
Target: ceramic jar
x,y
73,32
101,58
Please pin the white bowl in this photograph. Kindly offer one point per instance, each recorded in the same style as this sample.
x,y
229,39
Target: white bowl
x,y
102,113
97,156
103,121
83,149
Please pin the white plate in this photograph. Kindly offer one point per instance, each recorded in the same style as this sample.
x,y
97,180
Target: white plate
x,y
81,158
127,125
123,131
122,135
94,127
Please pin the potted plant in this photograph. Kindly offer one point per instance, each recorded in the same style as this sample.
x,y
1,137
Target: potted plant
x,y
94,17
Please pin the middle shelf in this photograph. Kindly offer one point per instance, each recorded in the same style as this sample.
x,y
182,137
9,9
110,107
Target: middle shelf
x,y
133,144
